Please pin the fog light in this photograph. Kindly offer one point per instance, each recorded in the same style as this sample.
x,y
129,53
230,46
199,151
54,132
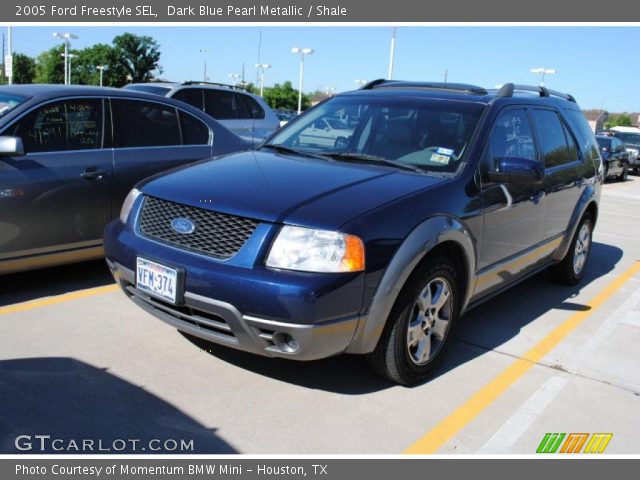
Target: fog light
x,y
286,342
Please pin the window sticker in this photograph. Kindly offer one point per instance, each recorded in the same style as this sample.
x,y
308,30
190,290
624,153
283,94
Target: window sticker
x,y
442,159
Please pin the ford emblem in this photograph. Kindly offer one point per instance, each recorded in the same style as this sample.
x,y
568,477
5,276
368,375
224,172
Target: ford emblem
x,y
183,225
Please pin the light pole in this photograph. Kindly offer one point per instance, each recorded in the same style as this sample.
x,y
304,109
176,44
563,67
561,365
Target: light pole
x,y
542,72
392,54
234,78
69,57
204,51
261,68
101,68
66,37
302,52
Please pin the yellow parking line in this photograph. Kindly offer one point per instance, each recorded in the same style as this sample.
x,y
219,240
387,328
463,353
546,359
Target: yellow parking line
x,y
22,307
433,440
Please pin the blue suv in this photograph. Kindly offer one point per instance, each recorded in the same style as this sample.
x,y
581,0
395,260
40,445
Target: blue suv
x,y
433,198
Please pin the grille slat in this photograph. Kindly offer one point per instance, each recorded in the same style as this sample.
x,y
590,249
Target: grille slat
x,y
217,235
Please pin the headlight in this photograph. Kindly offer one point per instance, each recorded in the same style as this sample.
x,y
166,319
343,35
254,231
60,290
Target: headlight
x,y
128,203
322,251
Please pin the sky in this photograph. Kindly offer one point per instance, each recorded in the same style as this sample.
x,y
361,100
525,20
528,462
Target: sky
x,y
600,66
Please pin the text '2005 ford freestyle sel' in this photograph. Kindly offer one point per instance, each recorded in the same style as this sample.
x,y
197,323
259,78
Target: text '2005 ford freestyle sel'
x,y
437,197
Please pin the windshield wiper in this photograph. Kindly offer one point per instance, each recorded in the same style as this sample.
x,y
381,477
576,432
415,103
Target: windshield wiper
x,y
363,157
284,149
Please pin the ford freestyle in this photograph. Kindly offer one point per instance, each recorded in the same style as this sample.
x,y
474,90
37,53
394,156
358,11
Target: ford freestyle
x,y
438,197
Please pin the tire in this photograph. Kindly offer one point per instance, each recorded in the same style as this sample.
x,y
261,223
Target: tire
x,y
571,269
623,176
341,142
419,328
606,171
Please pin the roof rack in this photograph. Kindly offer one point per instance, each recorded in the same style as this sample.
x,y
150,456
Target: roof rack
x,y
458,87
215,84
508,89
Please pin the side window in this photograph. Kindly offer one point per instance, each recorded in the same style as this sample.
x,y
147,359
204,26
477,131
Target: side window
x,y
573,148
586,140
62,126
192,96
510,137
220,104
194,131
553,142
145,124
251,108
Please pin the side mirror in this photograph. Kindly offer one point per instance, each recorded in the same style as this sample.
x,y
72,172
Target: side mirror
x,y
517,170
11,146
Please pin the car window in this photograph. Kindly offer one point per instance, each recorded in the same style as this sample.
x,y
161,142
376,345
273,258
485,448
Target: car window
x,y
553,143
586,139
192,96
251,108
573,148
194,131
511,136
220,104
60,126
145,124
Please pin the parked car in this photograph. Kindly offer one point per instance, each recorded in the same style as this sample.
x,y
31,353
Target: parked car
x,y
325,132
615,157
242,112
69,155
441,197
631,142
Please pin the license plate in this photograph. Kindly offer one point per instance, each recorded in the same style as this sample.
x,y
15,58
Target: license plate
x,y
156,279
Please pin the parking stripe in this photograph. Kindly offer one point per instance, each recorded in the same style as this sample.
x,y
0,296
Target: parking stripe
x,y
23,307
444,431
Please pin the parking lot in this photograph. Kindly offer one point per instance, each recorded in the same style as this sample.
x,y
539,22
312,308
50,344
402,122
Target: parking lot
x,y
78,360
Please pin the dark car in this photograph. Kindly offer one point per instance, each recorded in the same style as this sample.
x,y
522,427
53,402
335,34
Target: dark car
x,y
615,157
69,155
442,196
631,141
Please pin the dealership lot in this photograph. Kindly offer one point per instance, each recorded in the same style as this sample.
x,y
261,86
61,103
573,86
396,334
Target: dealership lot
x,y
80,361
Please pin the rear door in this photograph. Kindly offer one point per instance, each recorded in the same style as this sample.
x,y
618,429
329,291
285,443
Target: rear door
x,y
58,195
150,137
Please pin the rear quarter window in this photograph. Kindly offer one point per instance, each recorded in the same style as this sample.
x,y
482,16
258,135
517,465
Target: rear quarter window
x,y
586,139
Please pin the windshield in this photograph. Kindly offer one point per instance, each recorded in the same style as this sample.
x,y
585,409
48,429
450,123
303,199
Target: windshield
x,y
149,89
633,138
9,102
426,133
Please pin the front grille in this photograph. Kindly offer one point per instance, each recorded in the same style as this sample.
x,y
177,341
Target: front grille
x,y
216,234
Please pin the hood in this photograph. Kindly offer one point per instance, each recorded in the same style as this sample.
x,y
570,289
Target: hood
x,y
279,188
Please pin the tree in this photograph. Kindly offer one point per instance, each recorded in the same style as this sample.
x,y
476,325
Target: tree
x,y
137,58
618,120
85,66
285,96
50,66
24,68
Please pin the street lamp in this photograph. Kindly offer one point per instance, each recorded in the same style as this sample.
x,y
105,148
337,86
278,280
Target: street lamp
x,y
204,51
101,68
261,68
234,78
302,52
69,57
66,37
542,72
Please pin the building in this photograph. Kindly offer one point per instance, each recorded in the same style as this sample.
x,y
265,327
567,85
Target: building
x,y
596,119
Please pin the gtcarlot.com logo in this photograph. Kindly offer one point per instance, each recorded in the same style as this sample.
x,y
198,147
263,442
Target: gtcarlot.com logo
x,y
573,442
49,444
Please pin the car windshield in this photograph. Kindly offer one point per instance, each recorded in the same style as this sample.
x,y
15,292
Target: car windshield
x,y
156,90
9,102
430,134
632,138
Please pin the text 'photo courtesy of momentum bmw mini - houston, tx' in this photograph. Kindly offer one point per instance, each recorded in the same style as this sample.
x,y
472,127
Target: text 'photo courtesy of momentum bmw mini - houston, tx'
x,y
375,242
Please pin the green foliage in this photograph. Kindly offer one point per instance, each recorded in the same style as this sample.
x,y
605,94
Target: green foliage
x,y
285,96
85,71
24,68
50,66
618,120
137,58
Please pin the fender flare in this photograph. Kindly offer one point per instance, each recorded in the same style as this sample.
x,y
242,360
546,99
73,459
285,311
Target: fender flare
x,y
589,196
422,240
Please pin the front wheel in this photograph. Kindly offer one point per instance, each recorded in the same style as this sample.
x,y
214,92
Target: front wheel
x,y
571,269
418,330
623,176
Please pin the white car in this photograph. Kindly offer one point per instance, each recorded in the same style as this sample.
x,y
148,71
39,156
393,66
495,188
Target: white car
x,y
331,132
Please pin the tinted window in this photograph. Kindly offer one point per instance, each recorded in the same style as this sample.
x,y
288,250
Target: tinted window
x,y
192,96
251,108
604,143
194,132
573,148
145,124
586,139
70,125
220,104
553,143
511,137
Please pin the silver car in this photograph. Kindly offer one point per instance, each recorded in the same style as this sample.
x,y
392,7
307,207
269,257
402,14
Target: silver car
x,y
243,113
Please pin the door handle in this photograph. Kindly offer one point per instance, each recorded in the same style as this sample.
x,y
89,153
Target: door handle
x,y
536,197
92,173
